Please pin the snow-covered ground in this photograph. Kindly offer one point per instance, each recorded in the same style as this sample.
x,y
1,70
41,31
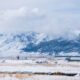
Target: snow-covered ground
x,y
38,66
38,77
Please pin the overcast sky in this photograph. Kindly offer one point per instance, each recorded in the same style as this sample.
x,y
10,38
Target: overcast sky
x,y
57,17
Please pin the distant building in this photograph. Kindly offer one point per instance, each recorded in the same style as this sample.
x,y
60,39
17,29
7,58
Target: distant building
x,y
73,58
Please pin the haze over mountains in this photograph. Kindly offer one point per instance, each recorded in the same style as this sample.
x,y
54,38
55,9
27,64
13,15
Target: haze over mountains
x,y
32,42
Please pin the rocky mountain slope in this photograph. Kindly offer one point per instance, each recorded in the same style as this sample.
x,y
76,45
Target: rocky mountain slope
x,y
28,42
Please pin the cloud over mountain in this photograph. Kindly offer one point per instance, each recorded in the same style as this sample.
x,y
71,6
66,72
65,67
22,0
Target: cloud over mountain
x,y
54,17
22,19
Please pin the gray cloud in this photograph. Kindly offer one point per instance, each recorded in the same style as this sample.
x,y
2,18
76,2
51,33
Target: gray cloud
x,y
55,17
22,19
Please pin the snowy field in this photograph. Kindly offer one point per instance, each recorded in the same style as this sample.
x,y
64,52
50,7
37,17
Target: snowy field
x,y
37,77
39,69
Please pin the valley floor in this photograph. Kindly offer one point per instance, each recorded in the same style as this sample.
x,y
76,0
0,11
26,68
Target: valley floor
x,y
39,69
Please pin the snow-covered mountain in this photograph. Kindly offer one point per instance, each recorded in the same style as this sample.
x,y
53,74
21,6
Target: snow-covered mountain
x,y
31,42
56,46
13,43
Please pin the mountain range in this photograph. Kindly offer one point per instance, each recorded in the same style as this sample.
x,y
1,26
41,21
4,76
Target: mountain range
x,y
33,42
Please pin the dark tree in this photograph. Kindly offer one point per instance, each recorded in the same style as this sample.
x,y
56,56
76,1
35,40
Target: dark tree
x,y
18,57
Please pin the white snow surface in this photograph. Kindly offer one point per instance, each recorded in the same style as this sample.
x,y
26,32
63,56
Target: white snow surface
x,y
33,66
41,77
